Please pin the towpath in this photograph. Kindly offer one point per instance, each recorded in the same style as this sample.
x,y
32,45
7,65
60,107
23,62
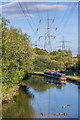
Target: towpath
x,y
73,77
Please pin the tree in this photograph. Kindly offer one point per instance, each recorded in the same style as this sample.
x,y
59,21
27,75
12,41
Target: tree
x,y
42,62
39,51
16,55
69,52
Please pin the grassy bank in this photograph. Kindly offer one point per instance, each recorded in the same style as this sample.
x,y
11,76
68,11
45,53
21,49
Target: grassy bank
x,y
8,93
72,78
41,72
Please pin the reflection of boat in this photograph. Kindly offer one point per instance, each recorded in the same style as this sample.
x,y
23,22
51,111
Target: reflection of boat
x,y
56,82
55,75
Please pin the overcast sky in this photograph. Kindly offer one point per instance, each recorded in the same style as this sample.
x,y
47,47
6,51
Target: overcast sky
x,y
27,15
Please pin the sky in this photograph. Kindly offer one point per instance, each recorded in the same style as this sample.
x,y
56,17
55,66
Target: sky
x,y
28,16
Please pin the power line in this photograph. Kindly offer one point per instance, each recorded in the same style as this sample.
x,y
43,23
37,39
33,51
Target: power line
x,y
56,11
39,21
37,9
26,16
67,20
63,17
29,14
36,31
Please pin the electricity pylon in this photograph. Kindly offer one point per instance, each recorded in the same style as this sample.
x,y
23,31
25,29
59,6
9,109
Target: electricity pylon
x,y
63,44
47,35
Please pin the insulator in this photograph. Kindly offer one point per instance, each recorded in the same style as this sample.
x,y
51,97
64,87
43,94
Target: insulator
x,y
56,28
37,29
40,21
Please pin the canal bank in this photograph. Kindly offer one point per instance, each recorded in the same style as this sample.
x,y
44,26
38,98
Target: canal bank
x,y
73,79
9,93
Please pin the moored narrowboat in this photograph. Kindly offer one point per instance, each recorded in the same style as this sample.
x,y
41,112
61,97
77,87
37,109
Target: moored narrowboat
x,y
55,75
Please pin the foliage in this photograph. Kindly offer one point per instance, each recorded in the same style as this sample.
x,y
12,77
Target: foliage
x,y
16,55
39,51
42,62
4,22
64,56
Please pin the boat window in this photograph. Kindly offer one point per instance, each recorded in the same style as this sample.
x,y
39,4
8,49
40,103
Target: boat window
x,y
59,75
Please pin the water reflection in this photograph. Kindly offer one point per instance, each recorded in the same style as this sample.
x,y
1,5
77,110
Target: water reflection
x,y
37,83
41,99
19,107
50,97
55,82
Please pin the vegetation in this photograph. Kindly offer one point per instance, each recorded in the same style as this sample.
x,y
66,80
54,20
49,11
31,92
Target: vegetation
x,y
63,55
60,60
40,51
16,55
42,62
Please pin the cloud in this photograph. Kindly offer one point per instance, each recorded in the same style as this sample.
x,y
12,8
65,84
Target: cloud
x,y
20,16
44,7
18,9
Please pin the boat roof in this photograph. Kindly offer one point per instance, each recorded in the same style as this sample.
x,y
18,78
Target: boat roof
x,y
57,73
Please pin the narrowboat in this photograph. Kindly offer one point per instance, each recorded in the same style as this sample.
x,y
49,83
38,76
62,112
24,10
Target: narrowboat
x,y
55,75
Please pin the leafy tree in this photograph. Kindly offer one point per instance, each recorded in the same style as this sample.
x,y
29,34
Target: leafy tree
x,y
39,51
16,55
4,22
42,62
63,56
53,53
69,52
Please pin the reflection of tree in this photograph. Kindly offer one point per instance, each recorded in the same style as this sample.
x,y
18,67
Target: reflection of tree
x,y
19,107
37,83
59,86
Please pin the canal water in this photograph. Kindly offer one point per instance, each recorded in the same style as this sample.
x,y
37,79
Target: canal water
x,y
41,99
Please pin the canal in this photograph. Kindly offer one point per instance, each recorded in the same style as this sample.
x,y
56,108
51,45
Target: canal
x,y
41,99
